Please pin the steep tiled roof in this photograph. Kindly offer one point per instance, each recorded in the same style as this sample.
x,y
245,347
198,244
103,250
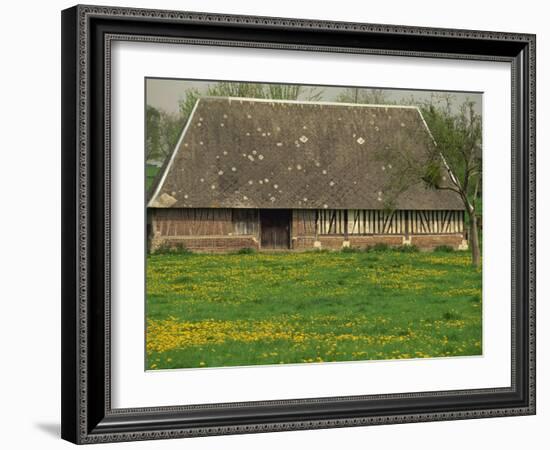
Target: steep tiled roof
x,y
249,153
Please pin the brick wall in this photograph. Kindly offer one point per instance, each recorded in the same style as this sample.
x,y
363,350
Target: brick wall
x,y
331,242
429,242
221,244
303,242
423,242
369,241
207,244
337,242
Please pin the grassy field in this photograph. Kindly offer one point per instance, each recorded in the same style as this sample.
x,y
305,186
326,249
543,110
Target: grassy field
x,y
261,308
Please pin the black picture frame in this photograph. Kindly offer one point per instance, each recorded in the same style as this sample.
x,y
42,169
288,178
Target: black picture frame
x,y
87,33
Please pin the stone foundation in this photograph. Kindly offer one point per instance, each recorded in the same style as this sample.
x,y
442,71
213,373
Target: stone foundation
x,y
303,243
429,242
204,244
370,241
225,244
423,242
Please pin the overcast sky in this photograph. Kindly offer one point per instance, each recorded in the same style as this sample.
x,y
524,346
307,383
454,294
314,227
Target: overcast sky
x,y
165,94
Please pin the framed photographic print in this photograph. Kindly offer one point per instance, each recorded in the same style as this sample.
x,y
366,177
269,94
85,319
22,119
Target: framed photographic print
x,y
281,224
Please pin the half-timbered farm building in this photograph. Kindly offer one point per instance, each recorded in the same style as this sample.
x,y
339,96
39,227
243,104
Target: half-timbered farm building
x,y
267,174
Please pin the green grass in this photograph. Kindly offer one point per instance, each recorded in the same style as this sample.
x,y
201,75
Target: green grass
x,y
150,174
261,308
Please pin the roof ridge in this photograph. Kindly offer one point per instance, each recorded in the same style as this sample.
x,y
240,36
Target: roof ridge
x,y
308,102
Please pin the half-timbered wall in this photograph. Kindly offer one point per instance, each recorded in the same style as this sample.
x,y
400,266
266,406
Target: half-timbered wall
x,y
205,222
245,221
362,222
304,222
436,222
331,221
224,229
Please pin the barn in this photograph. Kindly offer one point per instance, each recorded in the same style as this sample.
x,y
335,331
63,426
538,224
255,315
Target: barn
x,y
269,174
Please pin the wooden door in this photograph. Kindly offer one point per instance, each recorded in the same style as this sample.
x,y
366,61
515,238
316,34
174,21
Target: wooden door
x,y
275,228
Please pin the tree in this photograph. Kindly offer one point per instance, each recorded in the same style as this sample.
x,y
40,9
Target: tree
x,y
171,127
162,133
188,103
458,147
366,96
292,92
152,143
452,161
265,91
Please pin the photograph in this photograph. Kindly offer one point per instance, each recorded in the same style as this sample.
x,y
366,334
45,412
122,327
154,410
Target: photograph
x,y
300,224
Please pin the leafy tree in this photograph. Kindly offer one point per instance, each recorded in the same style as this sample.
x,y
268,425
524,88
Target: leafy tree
x,y
152,143
283,91
453,160
292,92
265,91
162,133
188,103
232,89
458,146
172,125
366,96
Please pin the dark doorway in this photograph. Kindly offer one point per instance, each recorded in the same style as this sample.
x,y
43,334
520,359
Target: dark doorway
x,y
275,228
